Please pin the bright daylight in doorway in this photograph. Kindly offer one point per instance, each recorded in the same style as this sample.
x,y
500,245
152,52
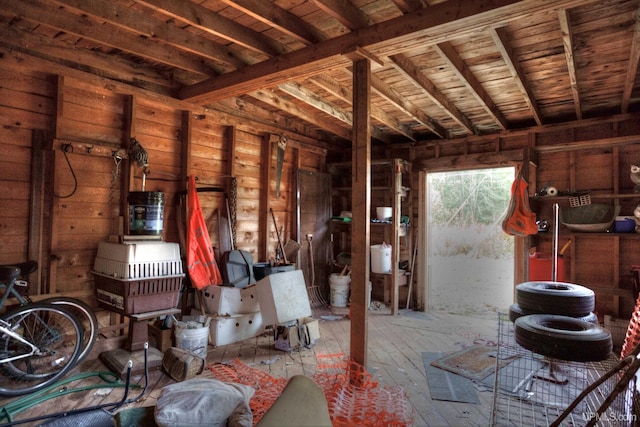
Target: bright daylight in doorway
x,y
470,259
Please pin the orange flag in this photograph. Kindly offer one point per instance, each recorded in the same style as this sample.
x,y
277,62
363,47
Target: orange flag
x,y
201,262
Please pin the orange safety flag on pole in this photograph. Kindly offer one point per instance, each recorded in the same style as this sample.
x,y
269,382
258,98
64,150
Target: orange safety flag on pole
x,y
201,262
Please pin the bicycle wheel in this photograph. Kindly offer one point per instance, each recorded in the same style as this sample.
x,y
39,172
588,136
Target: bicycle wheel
x,y
39,344
84,313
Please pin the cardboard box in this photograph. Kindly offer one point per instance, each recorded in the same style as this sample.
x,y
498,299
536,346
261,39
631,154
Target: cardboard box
x,y
225,330
283,297
162,338
226,300
296,335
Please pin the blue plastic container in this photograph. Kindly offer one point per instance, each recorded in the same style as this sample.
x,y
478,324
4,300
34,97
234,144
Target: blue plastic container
x,y
624,224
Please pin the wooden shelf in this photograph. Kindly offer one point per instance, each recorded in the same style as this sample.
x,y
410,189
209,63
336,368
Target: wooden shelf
x,y
387,189
594,260
593,196
603,235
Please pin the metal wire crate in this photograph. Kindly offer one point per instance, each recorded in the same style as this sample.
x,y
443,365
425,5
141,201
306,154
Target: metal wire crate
x,y
533,390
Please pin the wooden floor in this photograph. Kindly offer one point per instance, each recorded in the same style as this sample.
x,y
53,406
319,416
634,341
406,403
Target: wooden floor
x,y
396,344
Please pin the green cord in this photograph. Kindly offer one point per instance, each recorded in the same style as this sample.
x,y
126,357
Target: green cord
x,y
58,389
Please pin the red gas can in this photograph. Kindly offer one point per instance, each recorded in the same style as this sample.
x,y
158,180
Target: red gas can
x,y
540,267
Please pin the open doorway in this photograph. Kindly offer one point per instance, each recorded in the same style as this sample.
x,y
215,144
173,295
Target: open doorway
x,y
470,267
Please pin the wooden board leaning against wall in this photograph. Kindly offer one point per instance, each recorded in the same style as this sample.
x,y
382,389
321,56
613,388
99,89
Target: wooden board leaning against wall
x,y
61,209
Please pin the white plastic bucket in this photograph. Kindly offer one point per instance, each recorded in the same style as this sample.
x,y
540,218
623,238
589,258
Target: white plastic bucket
x,y
384,212
194,340
381,258
339,286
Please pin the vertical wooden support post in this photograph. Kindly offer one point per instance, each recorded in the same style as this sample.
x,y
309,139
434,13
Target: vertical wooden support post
x,y
294,197
521,244
615,184
126,183
36,205
361,212
265,184
52,264
231,140
396,182
185,149
181,205
421,290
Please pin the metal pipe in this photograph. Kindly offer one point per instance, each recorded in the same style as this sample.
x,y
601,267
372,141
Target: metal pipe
x,y
554,264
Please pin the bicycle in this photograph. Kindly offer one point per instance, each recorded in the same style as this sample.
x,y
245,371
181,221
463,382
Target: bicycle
x,y
82,311
39,343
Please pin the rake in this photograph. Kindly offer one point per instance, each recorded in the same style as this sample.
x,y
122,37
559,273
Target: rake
x,y
315,296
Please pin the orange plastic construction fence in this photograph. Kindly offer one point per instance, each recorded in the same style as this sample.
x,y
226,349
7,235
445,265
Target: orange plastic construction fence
x,y
632,339
353,395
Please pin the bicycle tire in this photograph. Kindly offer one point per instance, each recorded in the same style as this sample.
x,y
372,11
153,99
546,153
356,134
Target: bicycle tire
x,y
57,334
85,314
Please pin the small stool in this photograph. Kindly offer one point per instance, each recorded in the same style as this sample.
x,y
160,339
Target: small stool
x,y
117,360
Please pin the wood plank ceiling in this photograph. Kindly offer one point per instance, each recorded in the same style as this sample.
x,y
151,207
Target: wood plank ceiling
x,y
440,68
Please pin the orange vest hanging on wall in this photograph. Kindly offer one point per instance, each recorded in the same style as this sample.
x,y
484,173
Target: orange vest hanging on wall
x,y
201,262
520,219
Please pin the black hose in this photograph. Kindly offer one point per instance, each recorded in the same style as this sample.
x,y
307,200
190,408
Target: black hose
x,y
66,148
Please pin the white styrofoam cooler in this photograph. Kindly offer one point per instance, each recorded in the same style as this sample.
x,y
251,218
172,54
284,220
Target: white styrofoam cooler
x,y
225,330
138,260
223,300
283,297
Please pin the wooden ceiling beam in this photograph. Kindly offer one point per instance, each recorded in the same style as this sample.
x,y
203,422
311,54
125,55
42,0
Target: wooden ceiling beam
x,y
567,41
501,39
278,18
295,27
315,101
407,6
345,94
353,18
634,60
449,54
310,98
345,12
206,20
270,98
404,65
453,18
406,106
130,20
96,63
50,16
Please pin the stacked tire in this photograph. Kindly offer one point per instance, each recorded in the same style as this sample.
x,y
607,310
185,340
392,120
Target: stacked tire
x,y
556,319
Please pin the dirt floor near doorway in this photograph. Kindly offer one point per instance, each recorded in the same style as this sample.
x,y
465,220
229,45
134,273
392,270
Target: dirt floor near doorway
x,y
471,285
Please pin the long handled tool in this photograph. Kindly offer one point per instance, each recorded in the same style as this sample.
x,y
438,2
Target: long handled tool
x,y
315,297
413,264
275,224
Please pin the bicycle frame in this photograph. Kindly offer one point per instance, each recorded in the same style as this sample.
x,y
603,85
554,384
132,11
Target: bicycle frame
x,y
4,329
11,292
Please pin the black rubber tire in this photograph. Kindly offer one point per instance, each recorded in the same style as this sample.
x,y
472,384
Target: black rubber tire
x,y
516,311
566,299
563,337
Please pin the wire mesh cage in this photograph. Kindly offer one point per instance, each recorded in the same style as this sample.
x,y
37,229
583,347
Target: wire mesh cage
x,y
534,390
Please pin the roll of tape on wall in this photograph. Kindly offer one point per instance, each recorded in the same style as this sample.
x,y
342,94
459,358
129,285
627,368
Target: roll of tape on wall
x,y
552,191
